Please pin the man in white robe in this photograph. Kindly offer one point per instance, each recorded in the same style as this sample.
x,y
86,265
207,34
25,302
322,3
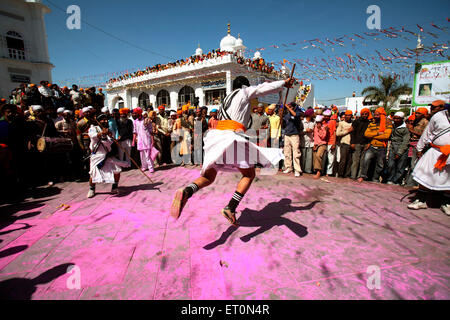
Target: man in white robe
x,y
103,167
226,147
432,171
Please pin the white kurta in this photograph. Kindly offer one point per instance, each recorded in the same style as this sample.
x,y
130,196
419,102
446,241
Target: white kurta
x,y
424,172
112,165
226,149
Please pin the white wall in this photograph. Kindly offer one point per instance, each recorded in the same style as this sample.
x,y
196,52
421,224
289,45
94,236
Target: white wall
x,y
26,18
355,104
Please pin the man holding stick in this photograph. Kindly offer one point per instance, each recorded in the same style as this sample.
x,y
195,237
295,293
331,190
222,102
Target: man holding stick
x,y
228,141
104,168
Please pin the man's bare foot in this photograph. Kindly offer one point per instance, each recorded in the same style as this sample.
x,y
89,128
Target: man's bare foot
x,y
317,176
360,180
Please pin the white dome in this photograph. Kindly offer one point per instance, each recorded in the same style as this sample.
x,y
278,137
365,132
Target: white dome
x,y
228,43
257,55
198,51
239,42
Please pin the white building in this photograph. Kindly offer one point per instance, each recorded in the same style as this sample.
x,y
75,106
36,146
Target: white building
x,y
24,54
209,81
357,103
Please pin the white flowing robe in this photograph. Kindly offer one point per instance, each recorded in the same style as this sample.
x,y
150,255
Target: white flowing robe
x,y
424,172
226,149
112,165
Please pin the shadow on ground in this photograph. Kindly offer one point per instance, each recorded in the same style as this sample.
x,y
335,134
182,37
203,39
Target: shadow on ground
x,y
126,190
267,218
23,288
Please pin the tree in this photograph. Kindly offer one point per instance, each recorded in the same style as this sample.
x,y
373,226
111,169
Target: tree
x,y
388,91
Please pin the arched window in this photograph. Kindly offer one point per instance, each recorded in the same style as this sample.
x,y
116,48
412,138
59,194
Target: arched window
x,y
16,45
144,100
185,95
120,103
163,97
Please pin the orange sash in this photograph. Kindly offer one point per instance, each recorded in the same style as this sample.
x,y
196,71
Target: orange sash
x,y
230,125
442,160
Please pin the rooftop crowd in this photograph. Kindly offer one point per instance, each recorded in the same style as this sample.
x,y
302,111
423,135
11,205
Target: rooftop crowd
x,y
258,64
367,146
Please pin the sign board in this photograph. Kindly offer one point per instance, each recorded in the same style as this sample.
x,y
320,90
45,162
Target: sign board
x,y
270,99
219,84
431,82
20,78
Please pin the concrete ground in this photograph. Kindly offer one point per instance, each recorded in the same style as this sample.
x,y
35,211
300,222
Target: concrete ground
x,y
299,238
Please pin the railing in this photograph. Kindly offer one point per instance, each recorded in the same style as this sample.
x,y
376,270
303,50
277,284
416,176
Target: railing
x,y
174,70
16,54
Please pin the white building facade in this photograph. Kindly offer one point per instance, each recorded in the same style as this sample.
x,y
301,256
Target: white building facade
x,y
24,56
209,80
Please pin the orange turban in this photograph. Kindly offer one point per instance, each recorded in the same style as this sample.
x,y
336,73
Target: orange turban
x,y
382,113
412,117
185,107
179,112
437,103
349,112
422,110
367,110
124,111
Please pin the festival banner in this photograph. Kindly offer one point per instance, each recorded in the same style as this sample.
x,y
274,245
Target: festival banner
x,y
431,82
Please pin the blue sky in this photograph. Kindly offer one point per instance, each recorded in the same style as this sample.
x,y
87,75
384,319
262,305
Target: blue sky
x,y
173,28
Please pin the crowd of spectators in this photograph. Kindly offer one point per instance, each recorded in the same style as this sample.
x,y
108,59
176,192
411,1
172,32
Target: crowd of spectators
x,y
368,145
256,64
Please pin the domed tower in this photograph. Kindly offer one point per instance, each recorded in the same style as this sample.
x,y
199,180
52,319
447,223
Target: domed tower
x,y
228,42
239,46
257,55
199,51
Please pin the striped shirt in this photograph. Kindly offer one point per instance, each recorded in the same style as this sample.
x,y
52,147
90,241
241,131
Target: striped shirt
x,y
379,140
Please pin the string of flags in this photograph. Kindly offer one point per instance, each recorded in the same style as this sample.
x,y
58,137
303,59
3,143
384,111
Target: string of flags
x,y
357,66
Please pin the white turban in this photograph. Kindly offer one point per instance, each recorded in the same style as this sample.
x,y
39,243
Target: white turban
x,y
105,109
90,107
36,107
85,109
319,118
327,112
60,110
399,114
67,111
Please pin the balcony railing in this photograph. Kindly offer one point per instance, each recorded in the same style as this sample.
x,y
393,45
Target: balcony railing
x,y
16,54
